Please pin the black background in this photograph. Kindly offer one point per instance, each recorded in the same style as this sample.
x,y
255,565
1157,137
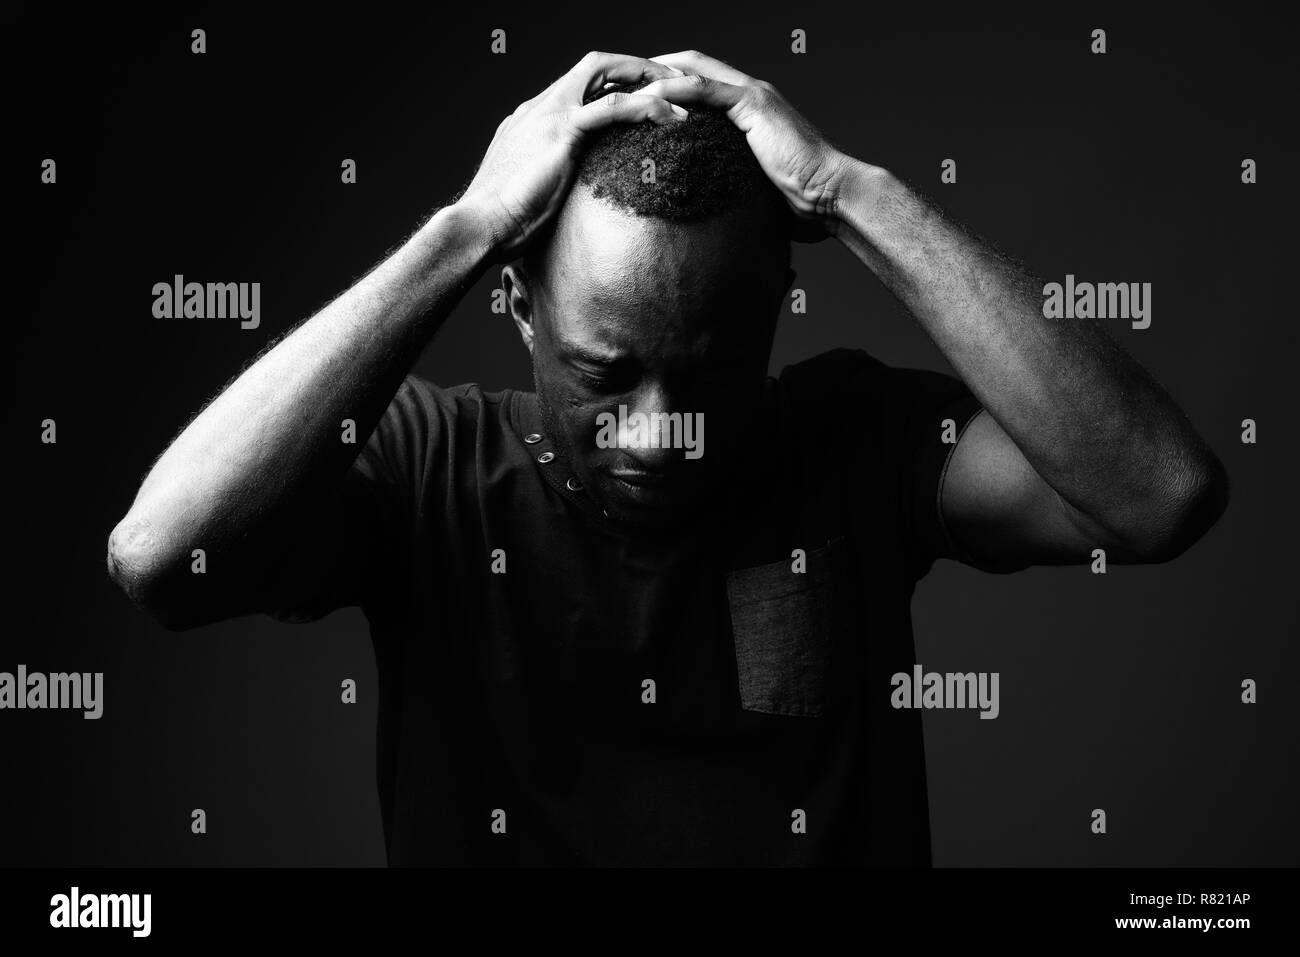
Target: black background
x,y
1119,691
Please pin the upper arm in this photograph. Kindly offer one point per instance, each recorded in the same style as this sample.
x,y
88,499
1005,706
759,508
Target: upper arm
x,y
304,563
341,544
351,546
336,553
1004,516
978,501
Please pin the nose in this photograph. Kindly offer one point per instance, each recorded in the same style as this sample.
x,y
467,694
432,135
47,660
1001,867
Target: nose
x,y
653,439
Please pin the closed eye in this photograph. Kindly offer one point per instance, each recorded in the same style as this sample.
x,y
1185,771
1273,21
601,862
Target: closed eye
x,y
608,378
599,383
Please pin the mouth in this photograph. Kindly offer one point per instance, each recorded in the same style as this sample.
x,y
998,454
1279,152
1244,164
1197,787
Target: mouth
x,y
646,489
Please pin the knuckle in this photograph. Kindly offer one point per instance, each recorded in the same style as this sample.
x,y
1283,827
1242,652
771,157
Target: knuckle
x,y
563,127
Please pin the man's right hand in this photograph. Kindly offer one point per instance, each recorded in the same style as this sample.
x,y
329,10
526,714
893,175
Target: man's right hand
x,y
529,166
257,478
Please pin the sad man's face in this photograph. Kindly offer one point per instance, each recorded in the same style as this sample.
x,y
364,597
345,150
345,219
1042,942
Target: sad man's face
x,y
655,317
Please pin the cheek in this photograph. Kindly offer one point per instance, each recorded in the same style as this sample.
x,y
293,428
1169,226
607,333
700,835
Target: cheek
x,y
583,426
577,417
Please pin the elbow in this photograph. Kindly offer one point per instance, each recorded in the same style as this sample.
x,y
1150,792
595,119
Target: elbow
x,y
138,565
1189,513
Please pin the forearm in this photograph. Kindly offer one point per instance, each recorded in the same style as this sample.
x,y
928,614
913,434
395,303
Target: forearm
x,y
274,435
1098,429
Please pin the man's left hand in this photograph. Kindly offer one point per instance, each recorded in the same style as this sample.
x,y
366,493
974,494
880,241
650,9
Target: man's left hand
x,y
811,174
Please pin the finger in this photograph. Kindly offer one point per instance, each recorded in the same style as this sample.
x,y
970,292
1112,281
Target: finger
x,y
624,108
695,89
594,70
693,61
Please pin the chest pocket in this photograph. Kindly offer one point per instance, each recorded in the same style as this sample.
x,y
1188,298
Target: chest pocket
x,y
783,623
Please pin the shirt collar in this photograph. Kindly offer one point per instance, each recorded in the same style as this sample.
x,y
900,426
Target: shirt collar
x,y
770,470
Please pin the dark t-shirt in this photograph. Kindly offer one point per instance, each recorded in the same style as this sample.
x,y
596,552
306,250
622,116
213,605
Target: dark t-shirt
x,y
709,699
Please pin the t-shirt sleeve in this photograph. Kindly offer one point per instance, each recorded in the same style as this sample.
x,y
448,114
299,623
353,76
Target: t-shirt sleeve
x,y
359,550
935,409
900,427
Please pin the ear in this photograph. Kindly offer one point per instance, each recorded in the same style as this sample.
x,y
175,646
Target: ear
x,y
520,296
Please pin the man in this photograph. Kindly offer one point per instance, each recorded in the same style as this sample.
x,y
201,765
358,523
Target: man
x,y
604,633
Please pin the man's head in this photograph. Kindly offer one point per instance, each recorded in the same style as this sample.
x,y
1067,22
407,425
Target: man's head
x,y
657,287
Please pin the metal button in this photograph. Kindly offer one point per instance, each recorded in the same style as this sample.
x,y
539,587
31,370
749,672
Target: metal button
x,y
532,438
573,485
545,457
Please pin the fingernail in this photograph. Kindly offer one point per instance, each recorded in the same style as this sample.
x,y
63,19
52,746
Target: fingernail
x,y
681,113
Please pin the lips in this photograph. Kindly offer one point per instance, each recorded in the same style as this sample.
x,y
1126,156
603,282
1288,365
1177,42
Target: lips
x,y
644,488
641,479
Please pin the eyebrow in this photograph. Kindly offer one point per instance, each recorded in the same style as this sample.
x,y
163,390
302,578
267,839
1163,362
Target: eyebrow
x,y
572,350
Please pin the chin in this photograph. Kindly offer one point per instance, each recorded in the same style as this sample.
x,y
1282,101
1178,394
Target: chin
x,y
651,516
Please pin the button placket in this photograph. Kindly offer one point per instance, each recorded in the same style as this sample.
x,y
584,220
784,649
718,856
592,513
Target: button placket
x,y
559,476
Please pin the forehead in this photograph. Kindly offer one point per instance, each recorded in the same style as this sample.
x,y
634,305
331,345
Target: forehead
x,y
611,276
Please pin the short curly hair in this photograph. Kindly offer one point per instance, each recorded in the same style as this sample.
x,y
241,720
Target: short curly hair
x,y
702,166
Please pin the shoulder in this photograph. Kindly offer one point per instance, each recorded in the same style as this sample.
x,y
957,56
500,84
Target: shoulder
x,y
858,383
418,391
418,399
830,370
422,419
